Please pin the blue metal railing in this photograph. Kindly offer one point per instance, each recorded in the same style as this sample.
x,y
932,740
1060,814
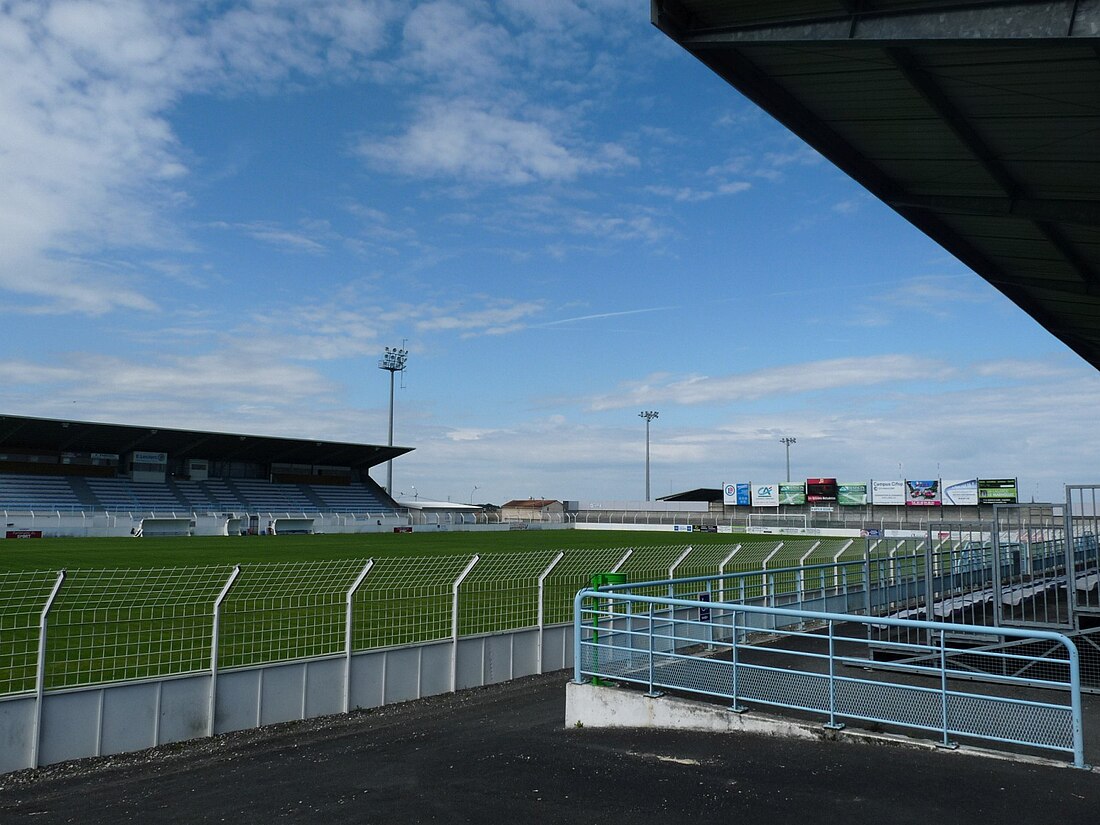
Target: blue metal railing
x,y
814,662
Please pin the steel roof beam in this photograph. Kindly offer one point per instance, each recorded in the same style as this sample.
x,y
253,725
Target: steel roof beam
x,y
992,21
926,86
1071,212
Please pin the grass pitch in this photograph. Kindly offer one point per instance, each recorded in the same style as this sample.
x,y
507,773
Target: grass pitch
x,y
140,608
103,553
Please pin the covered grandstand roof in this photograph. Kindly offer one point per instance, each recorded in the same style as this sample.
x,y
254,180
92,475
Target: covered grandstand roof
x,y
698,494
22,434
978,122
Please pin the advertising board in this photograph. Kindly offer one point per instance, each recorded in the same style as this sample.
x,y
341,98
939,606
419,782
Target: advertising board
x,y
960,493
765,495
922,492
729,494
888,493
820,489
744,494
850,494
792,494
997,491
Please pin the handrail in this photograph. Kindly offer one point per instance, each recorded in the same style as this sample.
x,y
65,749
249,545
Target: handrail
x,y
612,595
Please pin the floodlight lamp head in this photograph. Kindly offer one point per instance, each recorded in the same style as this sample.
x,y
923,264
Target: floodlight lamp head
x,y
393,359
649,415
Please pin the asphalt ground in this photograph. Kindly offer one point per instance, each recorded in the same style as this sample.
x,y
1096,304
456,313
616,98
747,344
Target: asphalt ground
x,y
502,754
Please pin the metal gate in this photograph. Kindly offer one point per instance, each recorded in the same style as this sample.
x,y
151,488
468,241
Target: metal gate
x,y
1083,526
1031,565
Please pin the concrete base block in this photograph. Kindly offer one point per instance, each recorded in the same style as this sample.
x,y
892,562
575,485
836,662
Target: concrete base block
x,y
600,706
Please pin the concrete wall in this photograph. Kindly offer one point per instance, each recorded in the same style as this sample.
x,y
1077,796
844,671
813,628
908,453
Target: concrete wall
x,y
129,716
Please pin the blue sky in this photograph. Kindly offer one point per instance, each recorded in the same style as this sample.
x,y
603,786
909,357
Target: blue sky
x,y
217,214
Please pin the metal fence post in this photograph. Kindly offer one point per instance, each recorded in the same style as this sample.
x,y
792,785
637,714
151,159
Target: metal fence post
x,y
454,620
832,725
1071,559
672,569
578,625
40,670
1075,703
947,743
736,707
212,703
349,599
541,618
929,594
867,585
652,694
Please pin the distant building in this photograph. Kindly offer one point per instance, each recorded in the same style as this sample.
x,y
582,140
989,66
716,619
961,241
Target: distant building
x,y
531,509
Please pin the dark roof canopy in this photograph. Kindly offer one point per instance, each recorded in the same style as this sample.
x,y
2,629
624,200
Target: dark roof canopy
x,y
21,434
977,121
710,494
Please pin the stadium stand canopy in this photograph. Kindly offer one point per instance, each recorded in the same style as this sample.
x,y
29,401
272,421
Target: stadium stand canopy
x,y
20,434
708,494
978,122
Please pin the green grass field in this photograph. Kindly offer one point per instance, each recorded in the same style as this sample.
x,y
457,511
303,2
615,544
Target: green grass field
x,y
138,608
100,553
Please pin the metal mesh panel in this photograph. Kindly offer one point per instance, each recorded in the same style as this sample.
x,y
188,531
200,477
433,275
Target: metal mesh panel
x,y
809,691
650,563
111,625
702,561
989,717
750,558
276,612
22,597
501,592
573,572
404,600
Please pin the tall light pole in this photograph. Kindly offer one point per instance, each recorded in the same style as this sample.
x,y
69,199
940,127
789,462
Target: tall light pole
x,y
648,415
393,361
788,441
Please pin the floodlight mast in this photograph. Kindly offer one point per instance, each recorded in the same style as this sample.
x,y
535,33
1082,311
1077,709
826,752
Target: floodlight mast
x,y
393,361
648,415
788,441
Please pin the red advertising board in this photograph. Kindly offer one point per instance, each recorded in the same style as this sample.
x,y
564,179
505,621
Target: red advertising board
x,y
821,489
23,534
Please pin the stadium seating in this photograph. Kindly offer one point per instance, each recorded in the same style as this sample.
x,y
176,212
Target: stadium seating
x,y
26,492
123,494
41,492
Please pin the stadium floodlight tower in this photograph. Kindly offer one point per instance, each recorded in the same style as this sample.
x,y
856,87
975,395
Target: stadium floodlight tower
x,y
393,361
648,415
788,441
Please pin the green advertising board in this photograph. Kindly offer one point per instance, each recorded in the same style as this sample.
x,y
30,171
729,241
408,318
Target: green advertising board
x,y
792,494
997,491
851,495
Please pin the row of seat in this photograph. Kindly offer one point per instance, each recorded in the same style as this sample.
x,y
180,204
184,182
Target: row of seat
x,y
23,492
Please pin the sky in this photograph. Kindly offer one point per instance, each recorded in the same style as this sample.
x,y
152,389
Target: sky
x,y
217,214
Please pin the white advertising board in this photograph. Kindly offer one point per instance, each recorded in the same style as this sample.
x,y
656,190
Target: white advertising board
x,y
888,493
765,495
729,494
960,493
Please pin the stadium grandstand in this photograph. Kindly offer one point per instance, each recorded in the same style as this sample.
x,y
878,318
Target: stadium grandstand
x,y
62,477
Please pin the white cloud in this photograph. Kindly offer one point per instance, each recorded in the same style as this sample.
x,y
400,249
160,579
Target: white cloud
x,y
498,318
815,376
88,159
469,141
446,41
687,194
